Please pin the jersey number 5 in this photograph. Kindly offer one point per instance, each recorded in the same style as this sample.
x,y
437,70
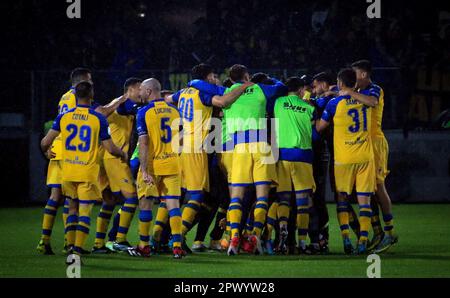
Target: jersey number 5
x,y
167,136
354,113
84,135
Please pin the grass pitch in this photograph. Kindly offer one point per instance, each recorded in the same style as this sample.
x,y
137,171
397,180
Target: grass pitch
x,y
423,251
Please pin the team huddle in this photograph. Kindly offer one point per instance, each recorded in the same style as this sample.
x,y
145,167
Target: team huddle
x,y
245,159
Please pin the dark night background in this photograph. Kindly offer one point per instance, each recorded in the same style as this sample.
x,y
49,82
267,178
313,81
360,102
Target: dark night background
x,y
409,48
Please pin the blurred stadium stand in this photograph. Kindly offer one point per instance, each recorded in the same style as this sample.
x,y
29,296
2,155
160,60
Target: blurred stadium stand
x,y
118,39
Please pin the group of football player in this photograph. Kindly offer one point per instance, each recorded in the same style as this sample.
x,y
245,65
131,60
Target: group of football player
x,y
247,159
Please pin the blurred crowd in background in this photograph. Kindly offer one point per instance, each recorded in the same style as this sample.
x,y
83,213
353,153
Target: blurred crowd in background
x,y
261,34
409,46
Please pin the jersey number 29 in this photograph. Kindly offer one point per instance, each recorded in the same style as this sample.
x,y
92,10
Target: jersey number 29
x,y
84,134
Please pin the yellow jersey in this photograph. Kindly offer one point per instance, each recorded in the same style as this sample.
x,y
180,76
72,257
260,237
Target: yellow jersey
x,y
121,127
196,110
81,130
377,111
67,102
160,122
351,133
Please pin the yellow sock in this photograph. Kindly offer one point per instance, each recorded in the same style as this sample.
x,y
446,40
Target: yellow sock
x,y
228,228
365,213
388,224
271,219
145,221
343,218
65,213
260,214
84,222
175,226
126,215
283,211
71,228
235,215
302,218
103,219
190,209
48,220
162,216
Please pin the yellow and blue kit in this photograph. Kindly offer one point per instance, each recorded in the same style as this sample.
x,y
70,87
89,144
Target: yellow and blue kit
x,y
196,109
160,122
81,129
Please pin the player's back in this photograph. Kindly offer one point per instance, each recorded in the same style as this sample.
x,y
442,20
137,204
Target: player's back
x,y
121,127
352,122
196,110
160,121
248,111
294,118
67,102
81,131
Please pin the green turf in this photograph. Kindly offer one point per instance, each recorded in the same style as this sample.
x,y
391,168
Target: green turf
x,y
423,251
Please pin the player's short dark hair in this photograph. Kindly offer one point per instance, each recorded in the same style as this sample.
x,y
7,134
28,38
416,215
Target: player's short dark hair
x,y
294,83
348,77
201,71
227,83
237,72
84,90
259,78
323,77
131,82
306,79
78,74
363,65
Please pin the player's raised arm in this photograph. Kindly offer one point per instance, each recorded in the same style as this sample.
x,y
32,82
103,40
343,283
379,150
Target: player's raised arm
x,y
228,99
327,115
109,108
368,100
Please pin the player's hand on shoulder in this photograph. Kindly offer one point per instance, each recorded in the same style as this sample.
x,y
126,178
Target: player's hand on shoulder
x,y
248,84
344,92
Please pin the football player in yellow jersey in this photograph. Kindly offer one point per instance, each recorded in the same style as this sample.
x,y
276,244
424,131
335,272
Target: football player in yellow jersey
x,y
353,156
82,130
118,173
196,109
370,92
159,173
67,101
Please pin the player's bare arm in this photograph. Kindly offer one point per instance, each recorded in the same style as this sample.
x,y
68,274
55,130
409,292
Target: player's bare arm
x,y
228,99
143,159
114,150
370,101
47,141
109,108
321,125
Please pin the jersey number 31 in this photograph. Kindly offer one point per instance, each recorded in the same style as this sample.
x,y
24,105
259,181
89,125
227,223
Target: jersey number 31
x,y
354,113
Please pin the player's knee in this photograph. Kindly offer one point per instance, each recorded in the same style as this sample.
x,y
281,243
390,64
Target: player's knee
x,y
56,195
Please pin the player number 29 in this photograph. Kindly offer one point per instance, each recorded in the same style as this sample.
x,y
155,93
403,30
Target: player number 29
x,y
84,135
354,113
